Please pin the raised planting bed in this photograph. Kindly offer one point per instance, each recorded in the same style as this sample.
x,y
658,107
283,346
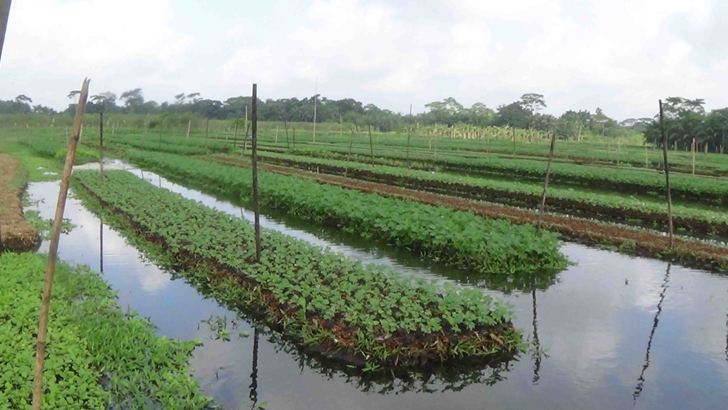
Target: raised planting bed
x,y
97,357
362,316
175,145
646,211
456,238
632,181
16,234
631,241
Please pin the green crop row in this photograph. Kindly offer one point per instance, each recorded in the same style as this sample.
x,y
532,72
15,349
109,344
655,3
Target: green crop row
x,y
89,338
53,148
457,238
647,182
688,217
318,296
173,145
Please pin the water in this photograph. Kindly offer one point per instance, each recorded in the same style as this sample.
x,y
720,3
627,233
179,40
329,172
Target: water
x,y
620,332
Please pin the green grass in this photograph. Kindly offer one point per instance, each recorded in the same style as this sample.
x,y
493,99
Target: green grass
x,y
89,339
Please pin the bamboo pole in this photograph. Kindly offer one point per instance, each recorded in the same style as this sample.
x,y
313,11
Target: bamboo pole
x,y
189,125
276,134
235,135
245,139
693,149
101,144
348,156
285,125
4,17
256,205
667,174
315,103
546,184
371,147
409,133
207,134
294,138
646,161
341,127
53,250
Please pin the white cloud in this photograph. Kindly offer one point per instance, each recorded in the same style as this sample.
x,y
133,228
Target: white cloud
x,y
91,36
621,56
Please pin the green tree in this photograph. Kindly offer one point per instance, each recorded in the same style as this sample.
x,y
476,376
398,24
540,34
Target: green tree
x,y
132,99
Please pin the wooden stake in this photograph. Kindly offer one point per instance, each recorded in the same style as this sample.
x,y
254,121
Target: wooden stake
x,y
189,125
53,250
256,205
667,174
546,184
101,144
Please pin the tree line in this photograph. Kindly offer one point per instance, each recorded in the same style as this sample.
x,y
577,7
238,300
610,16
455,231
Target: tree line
x,y
685,120
524,113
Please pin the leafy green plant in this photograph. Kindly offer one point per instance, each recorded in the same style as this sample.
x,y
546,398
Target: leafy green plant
x,y
97,356
457,238
316,296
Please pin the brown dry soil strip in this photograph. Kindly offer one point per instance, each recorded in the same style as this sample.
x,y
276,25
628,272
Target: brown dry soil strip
x,y
15,233
688,253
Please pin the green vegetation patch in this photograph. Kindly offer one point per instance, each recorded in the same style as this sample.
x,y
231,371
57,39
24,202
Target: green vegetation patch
x,y
96,356
458,238
321,299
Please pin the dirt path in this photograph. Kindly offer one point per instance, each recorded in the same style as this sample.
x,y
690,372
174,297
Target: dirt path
x,y
15,233
695,254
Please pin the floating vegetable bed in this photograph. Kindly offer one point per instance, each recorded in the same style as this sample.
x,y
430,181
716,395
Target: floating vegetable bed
x,y
651,211
634,181
362,316
457,238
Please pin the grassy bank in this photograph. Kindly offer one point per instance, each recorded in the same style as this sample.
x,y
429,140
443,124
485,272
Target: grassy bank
x,y
96,357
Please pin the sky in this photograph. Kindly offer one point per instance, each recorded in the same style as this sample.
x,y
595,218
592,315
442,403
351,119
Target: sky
x,y
620,55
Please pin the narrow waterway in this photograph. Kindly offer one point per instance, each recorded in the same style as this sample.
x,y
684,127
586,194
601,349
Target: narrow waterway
x,y
619,332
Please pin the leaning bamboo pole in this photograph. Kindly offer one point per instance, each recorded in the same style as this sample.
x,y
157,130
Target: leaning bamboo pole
x,y
53,250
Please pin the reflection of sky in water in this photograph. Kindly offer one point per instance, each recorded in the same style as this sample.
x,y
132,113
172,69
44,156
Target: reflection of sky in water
x,y
594,327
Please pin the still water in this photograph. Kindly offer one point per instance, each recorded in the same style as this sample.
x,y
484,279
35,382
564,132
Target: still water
x,y
620,332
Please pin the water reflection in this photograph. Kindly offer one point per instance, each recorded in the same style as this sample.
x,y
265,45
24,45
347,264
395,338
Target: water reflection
x,y
254,374
588,322
641,379
536,341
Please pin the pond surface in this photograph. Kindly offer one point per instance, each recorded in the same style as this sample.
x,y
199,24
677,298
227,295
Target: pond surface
x,y
620,332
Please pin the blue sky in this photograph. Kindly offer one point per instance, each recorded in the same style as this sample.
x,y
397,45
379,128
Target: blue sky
x,y
581,54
